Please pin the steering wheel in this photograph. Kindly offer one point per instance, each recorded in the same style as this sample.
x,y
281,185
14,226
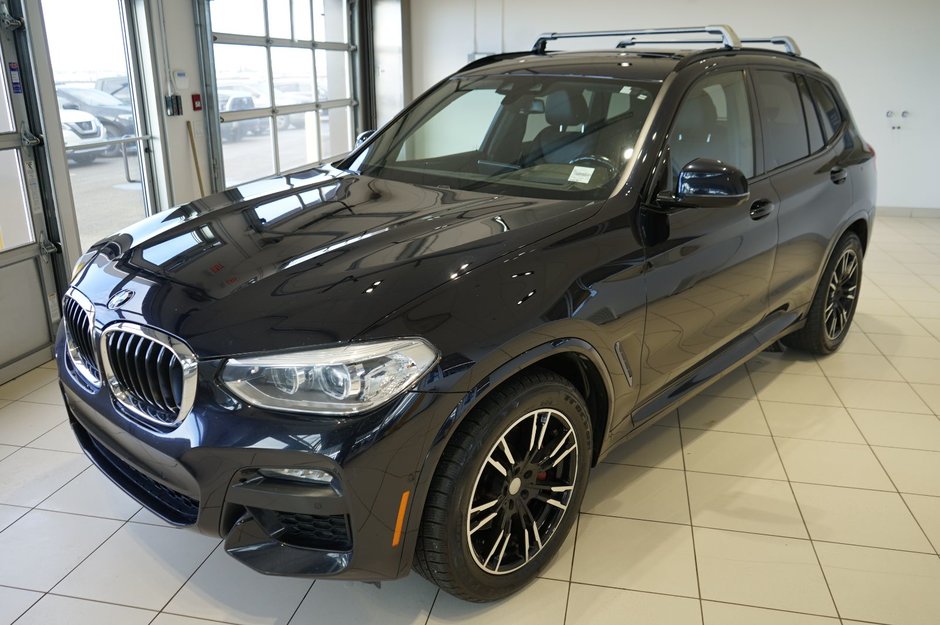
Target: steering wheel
x,y
603,161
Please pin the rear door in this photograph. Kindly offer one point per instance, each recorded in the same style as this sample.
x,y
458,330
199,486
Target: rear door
x,y
709,268
805,154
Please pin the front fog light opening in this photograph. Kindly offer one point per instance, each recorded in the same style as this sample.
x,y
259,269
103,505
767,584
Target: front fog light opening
x,y
309,476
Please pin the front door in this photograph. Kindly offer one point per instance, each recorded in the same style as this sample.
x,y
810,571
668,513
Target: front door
x,y
28,302
710,269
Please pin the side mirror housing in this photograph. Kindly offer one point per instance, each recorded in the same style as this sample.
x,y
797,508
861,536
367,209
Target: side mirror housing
x,y
707,183
362,137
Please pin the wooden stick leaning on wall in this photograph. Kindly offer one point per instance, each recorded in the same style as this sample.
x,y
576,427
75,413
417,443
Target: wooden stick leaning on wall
x,y
192,146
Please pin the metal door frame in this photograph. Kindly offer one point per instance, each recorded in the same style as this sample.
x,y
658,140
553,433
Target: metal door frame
x,y
51,202
14,41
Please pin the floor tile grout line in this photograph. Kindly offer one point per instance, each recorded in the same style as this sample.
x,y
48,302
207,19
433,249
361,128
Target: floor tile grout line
x,y
564,619
302,599
111,603
900,496
716,528
52,494
84,515
770,479
703,600
72,570
910,384
195,570
688,502
437,594
31,605
645,592
920,414
924,399
46,432
822,570
574,554
196,618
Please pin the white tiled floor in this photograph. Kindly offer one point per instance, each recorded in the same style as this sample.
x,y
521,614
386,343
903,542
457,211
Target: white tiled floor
x,y
797,491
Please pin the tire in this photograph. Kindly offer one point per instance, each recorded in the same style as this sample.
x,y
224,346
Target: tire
x,y
544,423
83,159
836,299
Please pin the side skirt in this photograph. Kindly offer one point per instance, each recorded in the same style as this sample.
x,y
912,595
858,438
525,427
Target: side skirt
x,y
696,380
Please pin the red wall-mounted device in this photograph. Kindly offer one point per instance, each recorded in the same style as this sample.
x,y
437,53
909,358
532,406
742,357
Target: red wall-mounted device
x,y
197,102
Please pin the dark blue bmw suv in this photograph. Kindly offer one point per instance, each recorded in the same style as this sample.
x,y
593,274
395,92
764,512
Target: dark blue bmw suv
x,y
412,357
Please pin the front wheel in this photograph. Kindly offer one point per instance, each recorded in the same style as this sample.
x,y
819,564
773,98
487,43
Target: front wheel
x,y
507,489
833,308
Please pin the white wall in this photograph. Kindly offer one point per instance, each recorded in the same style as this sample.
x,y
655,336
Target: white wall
x,y
181,48
882,54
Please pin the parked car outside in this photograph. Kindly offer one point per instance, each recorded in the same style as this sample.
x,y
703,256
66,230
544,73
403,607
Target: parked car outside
x,y
116,116
116,86
239,100
78,130
413,356
261,99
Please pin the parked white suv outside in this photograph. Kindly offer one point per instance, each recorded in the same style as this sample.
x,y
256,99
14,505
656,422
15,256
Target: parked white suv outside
x,y
79,129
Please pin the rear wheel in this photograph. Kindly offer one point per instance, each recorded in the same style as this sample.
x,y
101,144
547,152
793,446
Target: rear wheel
x,y
507,489
83,159
833,308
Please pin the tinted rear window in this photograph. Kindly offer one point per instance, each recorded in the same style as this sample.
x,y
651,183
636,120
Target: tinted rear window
x,y
813,130
829,113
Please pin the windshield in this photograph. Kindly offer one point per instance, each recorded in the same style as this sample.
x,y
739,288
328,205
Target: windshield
x,y
93,97
537,136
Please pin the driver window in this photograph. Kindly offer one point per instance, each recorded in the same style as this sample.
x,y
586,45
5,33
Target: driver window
x,y
714,121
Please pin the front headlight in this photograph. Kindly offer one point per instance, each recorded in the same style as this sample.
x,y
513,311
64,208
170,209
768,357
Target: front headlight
x,y
333,381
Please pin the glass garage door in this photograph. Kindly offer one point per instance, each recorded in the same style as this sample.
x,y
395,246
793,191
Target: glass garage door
x,y
282,72
105,132
27,286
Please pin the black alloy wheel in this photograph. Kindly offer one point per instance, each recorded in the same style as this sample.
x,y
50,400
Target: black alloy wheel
x,y
833,307
522,491
507,489
842,293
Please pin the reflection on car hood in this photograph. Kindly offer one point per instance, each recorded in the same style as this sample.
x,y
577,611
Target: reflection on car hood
x,y
321,254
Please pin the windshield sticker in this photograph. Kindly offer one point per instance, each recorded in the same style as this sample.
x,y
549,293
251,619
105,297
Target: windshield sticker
x,y
581,174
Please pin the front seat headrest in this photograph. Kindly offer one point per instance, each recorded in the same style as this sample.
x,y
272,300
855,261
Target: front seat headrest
x,y
565,108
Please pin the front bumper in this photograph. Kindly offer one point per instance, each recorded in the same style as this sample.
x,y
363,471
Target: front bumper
x,y
204,474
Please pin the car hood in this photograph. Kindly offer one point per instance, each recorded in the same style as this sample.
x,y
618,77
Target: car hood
x,y
72,116
308,259
111,112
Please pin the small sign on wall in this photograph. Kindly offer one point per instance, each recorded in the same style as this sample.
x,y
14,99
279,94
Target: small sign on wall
x,y
15,84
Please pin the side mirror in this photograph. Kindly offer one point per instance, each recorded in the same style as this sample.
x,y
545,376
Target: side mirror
x,y
707,183
363,137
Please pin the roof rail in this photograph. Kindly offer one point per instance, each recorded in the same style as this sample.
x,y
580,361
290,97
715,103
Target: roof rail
x,y
780,40
729,38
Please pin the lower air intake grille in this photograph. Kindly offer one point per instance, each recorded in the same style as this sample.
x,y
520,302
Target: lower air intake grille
x,y
169,504
330,533
150,373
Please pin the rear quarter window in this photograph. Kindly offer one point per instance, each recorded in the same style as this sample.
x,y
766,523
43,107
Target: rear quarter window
x,y
829,113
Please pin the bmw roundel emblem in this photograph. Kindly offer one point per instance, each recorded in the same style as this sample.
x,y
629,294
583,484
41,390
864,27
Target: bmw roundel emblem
x,y
120,298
